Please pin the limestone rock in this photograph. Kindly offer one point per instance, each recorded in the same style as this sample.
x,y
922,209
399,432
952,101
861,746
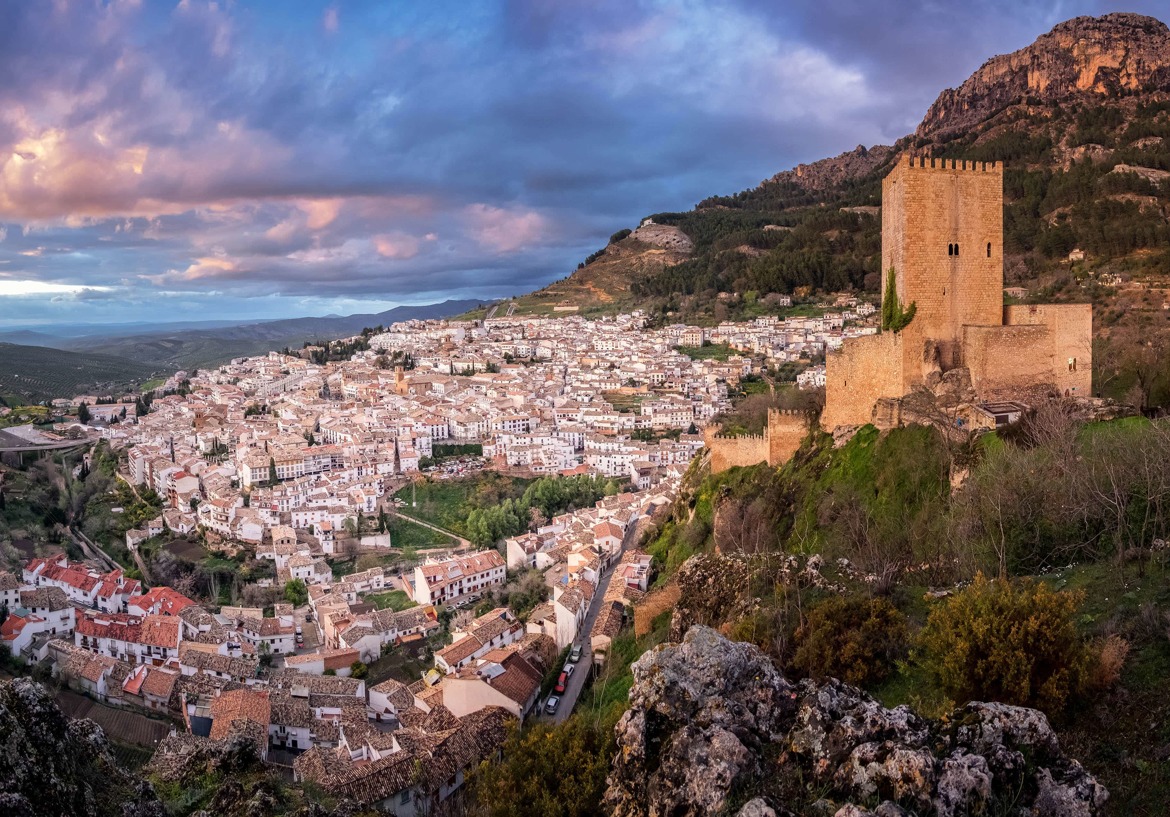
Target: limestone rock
x,y
1104,56
53,765
712,721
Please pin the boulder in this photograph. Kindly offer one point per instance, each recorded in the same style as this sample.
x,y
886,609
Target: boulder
x,y
714,728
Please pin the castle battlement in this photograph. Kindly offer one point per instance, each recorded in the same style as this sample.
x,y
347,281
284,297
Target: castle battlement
x,y
921,163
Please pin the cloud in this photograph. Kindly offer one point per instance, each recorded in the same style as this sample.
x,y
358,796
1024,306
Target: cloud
x,y
245,157
505,231
330,20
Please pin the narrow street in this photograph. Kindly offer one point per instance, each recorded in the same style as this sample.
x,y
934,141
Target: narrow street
x,y
581,674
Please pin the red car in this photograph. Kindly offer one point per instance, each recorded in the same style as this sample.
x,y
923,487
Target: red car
x,y
561,681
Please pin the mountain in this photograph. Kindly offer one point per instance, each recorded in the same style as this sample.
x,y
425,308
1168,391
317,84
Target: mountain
x,y
189,348
1081,119
30,374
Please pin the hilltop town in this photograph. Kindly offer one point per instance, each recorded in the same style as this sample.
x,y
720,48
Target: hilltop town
x,y
293,463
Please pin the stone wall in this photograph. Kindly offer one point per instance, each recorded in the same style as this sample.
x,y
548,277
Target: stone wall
x,y
782,438
857,375
1071,336
786,431
942,232
729,452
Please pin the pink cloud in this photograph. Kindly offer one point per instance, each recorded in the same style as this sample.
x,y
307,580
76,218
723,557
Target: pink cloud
x,y
504,231
400,246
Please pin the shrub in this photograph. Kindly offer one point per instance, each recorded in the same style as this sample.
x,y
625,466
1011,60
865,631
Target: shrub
x,y
852,638
1009,641
1109,656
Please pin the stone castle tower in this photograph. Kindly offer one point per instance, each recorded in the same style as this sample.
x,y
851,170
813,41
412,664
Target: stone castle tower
x,y
942,235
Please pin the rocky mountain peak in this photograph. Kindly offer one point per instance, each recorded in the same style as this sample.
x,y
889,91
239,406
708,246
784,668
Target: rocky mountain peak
x,y
1109,56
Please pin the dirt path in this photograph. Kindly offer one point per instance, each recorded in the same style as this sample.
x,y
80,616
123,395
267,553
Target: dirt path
x,y
655,604
463,543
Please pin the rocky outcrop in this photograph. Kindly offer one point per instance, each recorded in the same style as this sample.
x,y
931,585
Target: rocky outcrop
x,y
51,765
828,174
1109,56
714,728
663,236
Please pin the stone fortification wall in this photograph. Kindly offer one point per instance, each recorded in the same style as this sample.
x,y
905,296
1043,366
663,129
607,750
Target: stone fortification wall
x,y
1070,333
782,438
942,232
857,375
728,452
1006,360
786,431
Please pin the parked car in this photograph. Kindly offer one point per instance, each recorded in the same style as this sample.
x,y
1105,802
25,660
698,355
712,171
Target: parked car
x,y
299,631
568,670
561,681
308,616
553,703
575,655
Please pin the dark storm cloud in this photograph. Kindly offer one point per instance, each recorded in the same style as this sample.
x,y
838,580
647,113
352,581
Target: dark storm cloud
x,y
262,158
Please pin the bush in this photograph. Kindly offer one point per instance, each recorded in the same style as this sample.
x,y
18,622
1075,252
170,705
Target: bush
x,y
1009,641
557,771
1108,657
854,639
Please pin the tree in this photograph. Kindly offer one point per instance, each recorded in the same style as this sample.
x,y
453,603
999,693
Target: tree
x,y
83,415
1014,642
358,670
894,317
295,593
272,471
265,651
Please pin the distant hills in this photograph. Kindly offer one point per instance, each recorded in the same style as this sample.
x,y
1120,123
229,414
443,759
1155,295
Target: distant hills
x,y
55,366
34,373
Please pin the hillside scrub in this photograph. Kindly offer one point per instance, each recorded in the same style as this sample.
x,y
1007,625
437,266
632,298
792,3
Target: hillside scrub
x,y
1011,641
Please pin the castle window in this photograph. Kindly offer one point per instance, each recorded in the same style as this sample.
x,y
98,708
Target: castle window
x,y
950,249
956,250
988,249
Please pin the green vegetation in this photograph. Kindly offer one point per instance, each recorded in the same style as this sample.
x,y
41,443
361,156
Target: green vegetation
x,y
554,771
853,638
708,351
895,318
36,373
392,599
444,451
407,535
488,507
295,593
1009,641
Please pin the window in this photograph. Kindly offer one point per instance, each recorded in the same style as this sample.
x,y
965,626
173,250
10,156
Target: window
x,y
950,249
988,249
956,250
405,798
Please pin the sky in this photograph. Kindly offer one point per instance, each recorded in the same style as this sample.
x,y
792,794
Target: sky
x,y
251,160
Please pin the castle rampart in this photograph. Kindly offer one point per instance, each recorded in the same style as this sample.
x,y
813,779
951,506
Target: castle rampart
x,y
780,440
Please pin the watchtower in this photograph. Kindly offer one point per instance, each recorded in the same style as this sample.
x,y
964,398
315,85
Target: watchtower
x,y
942,233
